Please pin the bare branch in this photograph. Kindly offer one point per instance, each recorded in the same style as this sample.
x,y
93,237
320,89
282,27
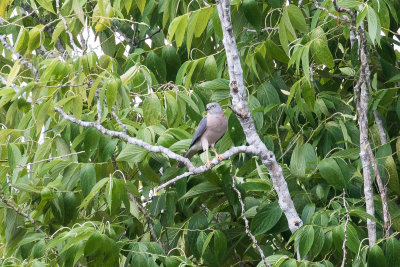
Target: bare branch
x,y
382,193
71,37
227,154
343,18
381,129
361,98
16,190
240,106
6,45
19,211
262,30
149,222
246,222
345,229
127,138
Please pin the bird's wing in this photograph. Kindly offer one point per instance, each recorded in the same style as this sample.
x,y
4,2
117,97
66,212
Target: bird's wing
x,y
199,131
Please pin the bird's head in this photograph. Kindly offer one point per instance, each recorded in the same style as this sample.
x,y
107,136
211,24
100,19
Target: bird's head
x,y
214,108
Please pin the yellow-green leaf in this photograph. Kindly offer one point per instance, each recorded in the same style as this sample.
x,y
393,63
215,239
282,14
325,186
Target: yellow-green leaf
x,y
141,4
13,72
47,4
202,20
22,40
79,11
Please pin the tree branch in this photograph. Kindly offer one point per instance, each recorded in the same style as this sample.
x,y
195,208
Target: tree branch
x,y
240,106
345,228
71,37
124,136
246,222
226,155
19,211
382,193
344,19
381,129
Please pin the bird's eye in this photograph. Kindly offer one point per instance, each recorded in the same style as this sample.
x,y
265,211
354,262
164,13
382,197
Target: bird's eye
x,y
213,106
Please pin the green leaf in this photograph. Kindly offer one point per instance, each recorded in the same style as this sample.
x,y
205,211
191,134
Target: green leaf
x,y
392,251
275,51
111,93
22,40
132,153
13,72
265,219
252,13
141,5
319,239
128,76
79,11
178,28
320,49
217,84
47,4
157,65
349,3
306,62
303,160
307,213
93,244
14,155
376,257
203,18
283,37
210,68
199,189
393,176
304,240
151,110
296,18
172,110
96,188
36,38
88,178
332,174
307,90
157,205
374,27
350,153
44,109
197,222
220,245
254,104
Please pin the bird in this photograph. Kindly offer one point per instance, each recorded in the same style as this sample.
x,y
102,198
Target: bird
x,y
210,130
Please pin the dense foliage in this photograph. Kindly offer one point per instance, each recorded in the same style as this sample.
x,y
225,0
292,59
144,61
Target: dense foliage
x,y
91,197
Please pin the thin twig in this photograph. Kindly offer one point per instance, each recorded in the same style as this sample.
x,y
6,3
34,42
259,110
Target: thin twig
x,y
262,30
19,211
246,222
71,37
345,228
344,19
382,193
149,222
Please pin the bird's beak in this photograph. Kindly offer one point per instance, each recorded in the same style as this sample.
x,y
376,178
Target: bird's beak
x,y
207,108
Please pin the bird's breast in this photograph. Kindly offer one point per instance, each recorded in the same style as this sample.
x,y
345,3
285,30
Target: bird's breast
x,y
216,127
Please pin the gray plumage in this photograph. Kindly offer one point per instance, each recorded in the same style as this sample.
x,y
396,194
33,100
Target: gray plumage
x,y
209,131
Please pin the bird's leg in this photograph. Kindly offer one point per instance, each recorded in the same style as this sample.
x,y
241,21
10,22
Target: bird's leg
x,y
220,158
208,162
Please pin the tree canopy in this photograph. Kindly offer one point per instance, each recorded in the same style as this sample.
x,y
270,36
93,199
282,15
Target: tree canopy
x,y
99,100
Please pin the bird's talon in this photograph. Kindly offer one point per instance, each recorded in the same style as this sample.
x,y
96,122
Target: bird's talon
x,y
209,164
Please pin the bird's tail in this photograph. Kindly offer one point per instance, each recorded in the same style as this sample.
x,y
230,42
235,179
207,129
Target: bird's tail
x,y
189,154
